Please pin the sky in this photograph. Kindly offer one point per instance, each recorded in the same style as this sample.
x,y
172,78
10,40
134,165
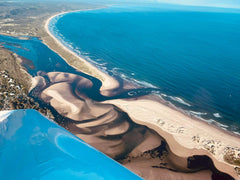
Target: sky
x,y
211,3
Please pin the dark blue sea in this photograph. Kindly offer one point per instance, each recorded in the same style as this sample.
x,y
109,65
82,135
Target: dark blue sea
x,y
192,54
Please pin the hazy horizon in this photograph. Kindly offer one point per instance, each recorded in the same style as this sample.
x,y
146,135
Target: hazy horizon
x,y
208,3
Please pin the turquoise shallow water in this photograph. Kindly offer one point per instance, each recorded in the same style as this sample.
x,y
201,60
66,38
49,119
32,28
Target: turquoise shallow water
x,y
191,54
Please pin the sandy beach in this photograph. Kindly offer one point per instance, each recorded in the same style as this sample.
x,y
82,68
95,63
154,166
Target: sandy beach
x,y
108,82
184,135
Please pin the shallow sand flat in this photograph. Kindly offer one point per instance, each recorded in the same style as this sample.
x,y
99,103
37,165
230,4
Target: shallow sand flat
x,y
179,130
67,104
61,98
102,125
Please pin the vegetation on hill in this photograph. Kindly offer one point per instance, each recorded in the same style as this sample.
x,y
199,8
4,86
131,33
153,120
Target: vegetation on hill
x,y
14,85
8,62
26,18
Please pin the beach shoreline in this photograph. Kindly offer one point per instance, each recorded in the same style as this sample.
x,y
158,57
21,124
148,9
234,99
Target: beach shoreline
x,y
108,82
186,136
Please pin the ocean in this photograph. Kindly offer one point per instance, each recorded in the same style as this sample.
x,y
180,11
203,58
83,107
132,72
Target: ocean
x,y
190,54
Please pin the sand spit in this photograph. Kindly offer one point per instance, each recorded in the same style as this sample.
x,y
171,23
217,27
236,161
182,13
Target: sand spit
x,y
108,128
108,82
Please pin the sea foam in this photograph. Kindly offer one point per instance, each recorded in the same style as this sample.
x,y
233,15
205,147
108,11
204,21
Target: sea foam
x,y
179,100
217,115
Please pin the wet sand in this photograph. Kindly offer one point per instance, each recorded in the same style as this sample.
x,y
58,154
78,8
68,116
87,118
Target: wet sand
x,y
108,125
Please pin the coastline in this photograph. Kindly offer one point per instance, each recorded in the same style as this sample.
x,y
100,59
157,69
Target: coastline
x,y
108,82
185,135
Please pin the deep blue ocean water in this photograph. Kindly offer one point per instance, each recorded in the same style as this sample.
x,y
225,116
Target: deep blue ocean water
x,y
192,54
